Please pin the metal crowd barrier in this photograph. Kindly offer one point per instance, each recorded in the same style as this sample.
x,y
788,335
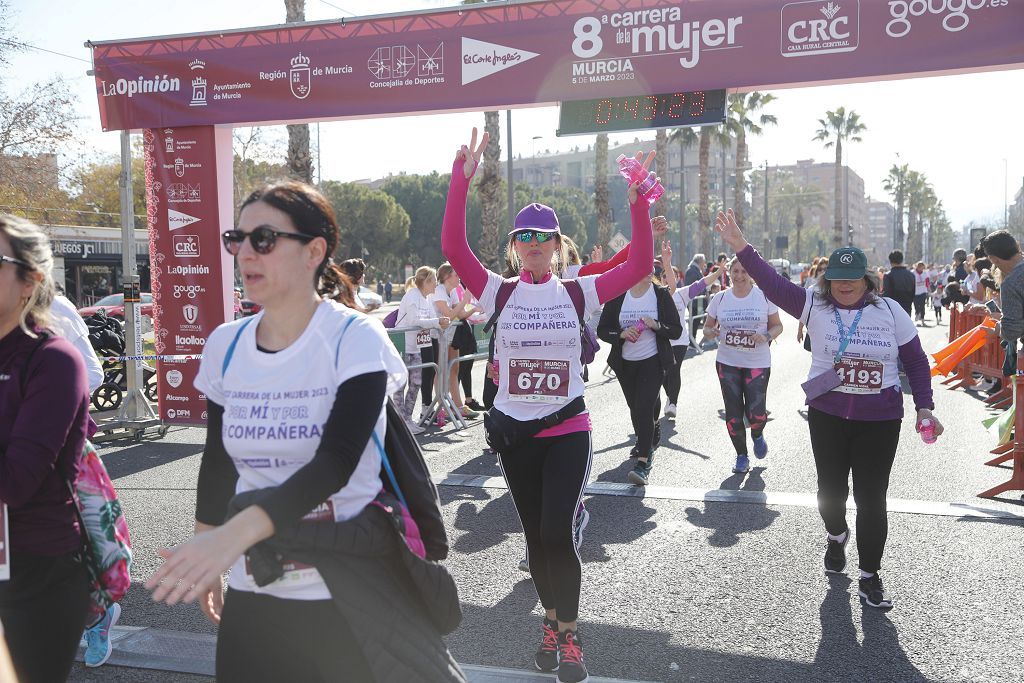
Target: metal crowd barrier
x,y
442,396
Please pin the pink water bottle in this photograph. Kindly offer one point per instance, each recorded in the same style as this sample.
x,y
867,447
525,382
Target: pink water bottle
x,y
927,430
633,171
640,326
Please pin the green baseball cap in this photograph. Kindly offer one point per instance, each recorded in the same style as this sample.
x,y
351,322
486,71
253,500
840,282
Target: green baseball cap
x,y
846,263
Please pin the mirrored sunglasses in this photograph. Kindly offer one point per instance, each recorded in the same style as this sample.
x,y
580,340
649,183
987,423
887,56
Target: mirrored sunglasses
x,y
527,236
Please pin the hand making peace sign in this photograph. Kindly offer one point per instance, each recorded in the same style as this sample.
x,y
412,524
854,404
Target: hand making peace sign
x,y
472,154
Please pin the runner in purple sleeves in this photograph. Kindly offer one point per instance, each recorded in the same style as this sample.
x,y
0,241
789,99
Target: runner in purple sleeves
x,y
854,397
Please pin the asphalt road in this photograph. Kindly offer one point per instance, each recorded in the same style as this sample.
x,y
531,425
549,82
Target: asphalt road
x,y
687,590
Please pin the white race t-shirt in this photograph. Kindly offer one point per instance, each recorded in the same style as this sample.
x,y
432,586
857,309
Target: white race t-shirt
x,y
69,324
681,298
452,299
869,363
633,310
920,283
971,284
739,319
571,272
275,409
538,345
416,309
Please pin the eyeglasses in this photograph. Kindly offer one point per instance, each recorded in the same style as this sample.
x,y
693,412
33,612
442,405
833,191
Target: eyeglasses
x,y
263,239
526,236
9,259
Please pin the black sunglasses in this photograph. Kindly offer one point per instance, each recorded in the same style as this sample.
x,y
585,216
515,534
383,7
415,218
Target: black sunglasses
x,y
263,239
9,259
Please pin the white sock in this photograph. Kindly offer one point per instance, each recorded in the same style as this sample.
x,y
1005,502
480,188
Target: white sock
x,y
841,538
865,575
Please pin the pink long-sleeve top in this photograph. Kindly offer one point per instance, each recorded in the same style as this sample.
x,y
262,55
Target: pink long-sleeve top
x,y
609,284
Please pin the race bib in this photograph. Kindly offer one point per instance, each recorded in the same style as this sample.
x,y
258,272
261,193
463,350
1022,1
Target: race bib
x,y
742,340
538,381
297,573
422,338
859,376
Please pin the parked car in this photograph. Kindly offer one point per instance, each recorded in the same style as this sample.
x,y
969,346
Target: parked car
x,y
114,306
250,307
370,298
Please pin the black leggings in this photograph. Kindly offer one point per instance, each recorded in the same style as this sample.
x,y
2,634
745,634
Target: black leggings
x,y
263,638
490,391
546,477
745,392
673,379
868,449
43,608
919,305
466,378
428,355
641,385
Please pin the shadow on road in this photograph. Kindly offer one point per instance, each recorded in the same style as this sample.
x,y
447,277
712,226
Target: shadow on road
x,y
146,455
840,657
729,520
507,634
485,526
614,521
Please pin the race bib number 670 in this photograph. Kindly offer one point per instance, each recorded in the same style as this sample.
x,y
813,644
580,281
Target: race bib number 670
x,y
538,381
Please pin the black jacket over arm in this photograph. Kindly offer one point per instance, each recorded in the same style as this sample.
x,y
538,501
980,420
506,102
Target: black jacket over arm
x,y
608,329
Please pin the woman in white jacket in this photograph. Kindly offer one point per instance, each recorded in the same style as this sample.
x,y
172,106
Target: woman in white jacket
x,y
417,308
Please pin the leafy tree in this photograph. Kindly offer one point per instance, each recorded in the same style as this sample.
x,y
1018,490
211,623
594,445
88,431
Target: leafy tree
x,y
893,184
372,223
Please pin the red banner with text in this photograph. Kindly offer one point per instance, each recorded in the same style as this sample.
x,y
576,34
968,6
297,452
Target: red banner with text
x,y
187,262
493,55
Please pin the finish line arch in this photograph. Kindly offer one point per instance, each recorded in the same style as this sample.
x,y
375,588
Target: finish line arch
x,y
187,92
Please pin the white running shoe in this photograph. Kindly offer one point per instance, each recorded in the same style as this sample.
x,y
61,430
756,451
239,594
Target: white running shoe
x,y
670,410
414,428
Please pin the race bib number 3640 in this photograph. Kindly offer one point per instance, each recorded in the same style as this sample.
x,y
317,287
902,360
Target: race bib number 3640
x,y
538,381
740,339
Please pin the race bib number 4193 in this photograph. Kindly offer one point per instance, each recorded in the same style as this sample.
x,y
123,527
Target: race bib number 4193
x,y
538,381
859,376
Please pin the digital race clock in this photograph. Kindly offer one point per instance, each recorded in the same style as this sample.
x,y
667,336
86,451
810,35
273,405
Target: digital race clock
x,y
641,112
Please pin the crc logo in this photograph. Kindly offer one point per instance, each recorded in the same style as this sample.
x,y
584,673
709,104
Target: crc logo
x,y
186,246
846,259
955,19
174,378
816,27
191,313
190,291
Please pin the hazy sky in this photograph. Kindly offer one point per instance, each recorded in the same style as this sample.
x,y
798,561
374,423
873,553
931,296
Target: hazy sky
x,y
962,157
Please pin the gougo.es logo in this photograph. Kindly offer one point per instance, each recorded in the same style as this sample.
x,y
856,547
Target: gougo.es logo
x,y
954,13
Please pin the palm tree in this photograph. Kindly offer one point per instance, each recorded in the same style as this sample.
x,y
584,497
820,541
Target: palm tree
x,y
743,119
721,135
489,188
704,157
914,185
794,199
686,137
837,127
661,168
893,184
601,205
300,162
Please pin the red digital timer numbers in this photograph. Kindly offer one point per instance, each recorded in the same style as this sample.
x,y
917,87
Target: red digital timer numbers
x,y
674,107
